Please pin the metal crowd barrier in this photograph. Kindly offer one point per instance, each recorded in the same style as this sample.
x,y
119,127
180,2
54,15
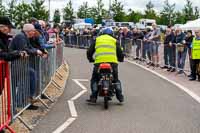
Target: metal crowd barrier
x,y
5,96
143,51
59,55
127,46
70,40
20,84
84,41
81,41
29,80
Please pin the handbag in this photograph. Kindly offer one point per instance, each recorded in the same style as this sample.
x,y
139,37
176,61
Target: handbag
x,y
180,47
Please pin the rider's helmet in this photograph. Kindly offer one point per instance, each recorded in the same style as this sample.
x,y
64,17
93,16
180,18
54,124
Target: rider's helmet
x,y
108,31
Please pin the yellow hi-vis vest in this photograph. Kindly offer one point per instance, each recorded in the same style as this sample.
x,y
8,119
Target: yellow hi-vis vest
x,y
195,49
105,49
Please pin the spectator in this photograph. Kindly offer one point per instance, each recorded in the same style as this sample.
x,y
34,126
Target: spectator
x,y
22,42
39,40
155,40
188,40
195,56
138,36
181,48
54,34
5,53
146,44
125,40
44,29
168,49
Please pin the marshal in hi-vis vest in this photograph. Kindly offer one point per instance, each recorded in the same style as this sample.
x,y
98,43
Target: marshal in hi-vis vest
x,y
195,49
105,49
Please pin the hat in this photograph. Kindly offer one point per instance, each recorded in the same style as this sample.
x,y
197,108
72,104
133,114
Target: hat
x,y
6,21
108,31
37,26
33,20
28,27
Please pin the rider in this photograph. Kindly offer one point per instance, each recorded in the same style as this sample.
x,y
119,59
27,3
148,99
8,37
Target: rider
x,y
106,50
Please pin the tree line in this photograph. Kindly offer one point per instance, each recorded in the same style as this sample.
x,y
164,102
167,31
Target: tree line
x,y
167,16
21,12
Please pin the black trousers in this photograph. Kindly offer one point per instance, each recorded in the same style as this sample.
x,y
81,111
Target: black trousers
x,y
194,68
95,79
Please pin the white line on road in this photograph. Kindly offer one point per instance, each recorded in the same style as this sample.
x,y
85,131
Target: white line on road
x,y
77,81
72,108
78,95
65,125
192,94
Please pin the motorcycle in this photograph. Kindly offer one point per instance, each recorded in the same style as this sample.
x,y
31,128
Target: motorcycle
x,y
106,87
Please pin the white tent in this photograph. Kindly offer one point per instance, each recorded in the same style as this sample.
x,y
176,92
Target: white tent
x,y
192,25
82,25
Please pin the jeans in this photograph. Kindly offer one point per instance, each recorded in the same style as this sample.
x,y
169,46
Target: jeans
x,y
154,48
95,79
146,51
181,56
138,43
33,82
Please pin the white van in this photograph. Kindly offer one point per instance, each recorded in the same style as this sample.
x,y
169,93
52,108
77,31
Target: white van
x,y
147,23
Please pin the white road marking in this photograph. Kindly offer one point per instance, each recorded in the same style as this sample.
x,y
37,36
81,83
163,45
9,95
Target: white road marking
x,y
72,108
65,125
192,94
77,81
78,95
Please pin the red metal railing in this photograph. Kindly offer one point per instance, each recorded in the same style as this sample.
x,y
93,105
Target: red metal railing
x,y
5,96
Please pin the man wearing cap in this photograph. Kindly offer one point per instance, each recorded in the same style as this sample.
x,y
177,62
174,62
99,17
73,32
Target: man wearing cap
x,y
5,28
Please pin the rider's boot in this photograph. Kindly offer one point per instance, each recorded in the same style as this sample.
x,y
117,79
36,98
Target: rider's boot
x,y
93,96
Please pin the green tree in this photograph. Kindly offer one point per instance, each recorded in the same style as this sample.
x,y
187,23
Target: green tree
x,y
167,14
2,10
150,12
21,14
188,11
56,17
83,11
68,11
11,9
100,12
117,9
38,10
97,12
179,18
196,12
134,16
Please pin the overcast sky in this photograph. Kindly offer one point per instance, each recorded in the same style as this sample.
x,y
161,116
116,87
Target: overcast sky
x,y
133,4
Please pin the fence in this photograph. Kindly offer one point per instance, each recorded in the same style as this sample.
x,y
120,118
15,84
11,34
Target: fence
x,y
81,41
29,80
5,97
176,56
